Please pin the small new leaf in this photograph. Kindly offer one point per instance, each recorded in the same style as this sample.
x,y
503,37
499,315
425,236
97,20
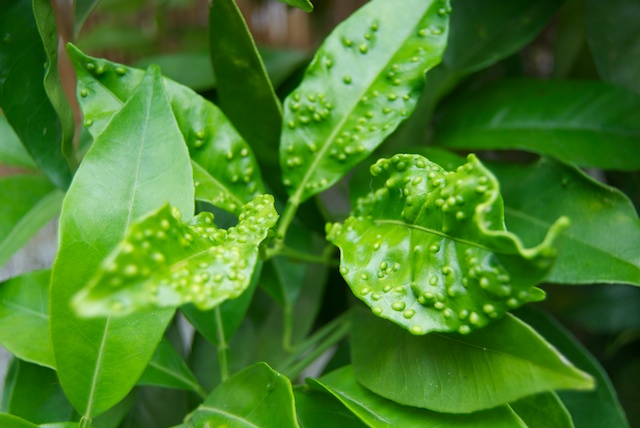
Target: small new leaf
x,y
429,251
164,262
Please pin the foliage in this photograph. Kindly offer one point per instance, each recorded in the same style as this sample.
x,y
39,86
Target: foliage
x,y
224,211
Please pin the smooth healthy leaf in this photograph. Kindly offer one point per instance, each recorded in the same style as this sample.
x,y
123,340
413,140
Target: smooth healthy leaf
x,y
29,112
319,410
484,32
243,81
33,392
167,369
363,82
257,396
137,164
599,408
12,152
589,123
614,37
428,249
376,411
543,410
28,202
601,246
164,262
225,170
24,317
305,5
453,373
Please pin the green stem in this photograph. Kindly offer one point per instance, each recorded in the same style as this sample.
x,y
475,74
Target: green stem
x,y
85,422
288,328
287,217
297,368
303,347
292,253
223,346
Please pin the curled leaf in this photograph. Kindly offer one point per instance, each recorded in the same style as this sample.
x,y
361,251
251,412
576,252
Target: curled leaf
x,y
164,262
428,248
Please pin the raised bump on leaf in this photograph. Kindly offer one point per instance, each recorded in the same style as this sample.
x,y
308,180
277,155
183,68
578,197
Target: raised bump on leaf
x,y
428,249
164,262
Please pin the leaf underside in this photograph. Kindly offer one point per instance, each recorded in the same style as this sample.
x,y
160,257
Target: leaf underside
x,y
164,262
428,248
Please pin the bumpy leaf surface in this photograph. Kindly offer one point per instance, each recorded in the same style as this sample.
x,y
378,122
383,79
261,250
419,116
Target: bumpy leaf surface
x,y
364,80
428,248
164,262
225,170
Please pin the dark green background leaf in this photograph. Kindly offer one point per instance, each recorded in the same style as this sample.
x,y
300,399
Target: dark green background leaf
x,y
542,410
590,123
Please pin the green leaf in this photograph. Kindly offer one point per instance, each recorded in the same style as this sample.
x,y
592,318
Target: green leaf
x,y
589,123
255,396
191,69
167,369
542,410
137,164
24,317
33,393
12,152
484,32
83,9
319,410
227,174
164,262
596,248
305,5
9,421
242,82
614,38
30,113
453,373
428,250
364,80
29,202
376,411
232,312
593,409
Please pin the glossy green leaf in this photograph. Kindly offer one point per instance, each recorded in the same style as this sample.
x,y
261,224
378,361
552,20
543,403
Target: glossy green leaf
x,y
599,408
453,373
232,312
256,396
243,81
34,393
319,410
589,123
486,31
614,37
138,163
377,411
10,421
601,246
542,410
164,262
12,152
167,369
29,112
305,5
363,82
226,174
428,248
24,317
28,202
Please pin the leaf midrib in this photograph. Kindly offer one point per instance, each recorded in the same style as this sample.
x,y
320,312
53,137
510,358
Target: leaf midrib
x,y
217,411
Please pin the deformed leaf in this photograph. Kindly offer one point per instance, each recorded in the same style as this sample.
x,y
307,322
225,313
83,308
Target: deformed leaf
x,y
257,396
227,174
363,82
164,262
377,411
428,248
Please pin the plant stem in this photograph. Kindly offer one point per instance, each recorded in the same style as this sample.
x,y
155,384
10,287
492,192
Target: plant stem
x,y
85,422
287,217
297,368
223,347
288,328
292,253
